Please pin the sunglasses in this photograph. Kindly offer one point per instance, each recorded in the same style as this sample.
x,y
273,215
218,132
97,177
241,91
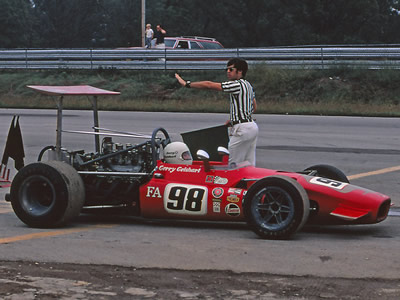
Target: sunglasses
x,y
230,69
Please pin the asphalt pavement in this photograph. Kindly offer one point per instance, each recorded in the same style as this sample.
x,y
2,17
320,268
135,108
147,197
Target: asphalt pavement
x,y
366,149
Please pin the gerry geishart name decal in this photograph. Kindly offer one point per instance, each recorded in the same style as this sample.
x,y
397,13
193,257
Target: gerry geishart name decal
x,y
179,169
185,199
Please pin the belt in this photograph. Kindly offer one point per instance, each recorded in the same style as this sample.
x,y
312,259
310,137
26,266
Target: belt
x,y
241,121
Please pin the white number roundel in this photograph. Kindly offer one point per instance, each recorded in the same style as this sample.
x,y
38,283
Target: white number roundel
x,y
185,199
329,183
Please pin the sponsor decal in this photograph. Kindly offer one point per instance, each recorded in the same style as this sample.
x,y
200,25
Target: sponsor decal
x,y
153,192
235,191
179,169
220,180
209,179
233,198
216,205
217,192
232,210
170,154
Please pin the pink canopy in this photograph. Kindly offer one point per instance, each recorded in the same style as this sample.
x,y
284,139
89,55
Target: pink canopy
x,y
72,90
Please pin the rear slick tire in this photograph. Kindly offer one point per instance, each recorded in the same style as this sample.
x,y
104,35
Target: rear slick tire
x,y
47,194
276,207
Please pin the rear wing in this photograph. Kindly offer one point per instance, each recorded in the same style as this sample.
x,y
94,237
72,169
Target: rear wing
x,y
14,149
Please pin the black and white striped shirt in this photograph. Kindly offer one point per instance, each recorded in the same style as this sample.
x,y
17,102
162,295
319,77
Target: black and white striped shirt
x,y
241,95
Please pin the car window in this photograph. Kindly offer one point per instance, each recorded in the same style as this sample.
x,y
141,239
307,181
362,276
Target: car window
x,y
183,45
208,45
169,43
194,45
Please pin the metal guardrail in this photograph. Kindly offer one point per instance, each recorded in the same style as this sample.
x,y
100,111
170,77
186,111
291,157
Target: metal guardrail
x,y
179,59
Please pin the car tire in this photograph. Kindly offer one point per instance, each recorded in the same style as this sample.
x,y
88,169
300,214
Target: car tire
x,y
47,195
328,171
276,207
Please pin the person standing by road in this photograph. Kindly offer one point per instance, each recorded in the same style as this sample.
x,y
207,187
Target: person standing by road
x,y
243,130
149,35
159,36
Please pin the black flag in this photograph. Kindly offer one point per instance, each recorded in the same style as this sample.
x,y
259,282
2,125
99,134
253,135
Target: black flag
x,y
14,145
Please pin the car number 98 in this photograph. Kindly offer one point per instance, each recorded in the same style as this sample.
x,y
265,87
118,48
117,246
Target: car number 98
x,y
185,199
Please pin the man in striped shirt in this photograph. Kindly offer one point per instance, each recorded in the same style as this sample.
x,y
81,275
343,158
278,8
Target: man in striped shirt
x,y
243,130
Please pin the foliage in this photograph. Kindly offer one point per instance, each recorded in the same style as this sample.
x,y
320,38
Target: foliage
x,y
239,23
328,92
16,22
64,23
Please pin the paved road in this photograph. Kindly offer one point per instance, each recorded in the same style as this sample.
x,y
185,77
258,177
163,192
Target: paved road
x,y
364,148
335,251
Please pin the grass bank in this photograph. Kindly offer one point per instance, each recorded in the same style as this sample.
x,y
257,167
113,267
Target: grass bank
x,y
322,92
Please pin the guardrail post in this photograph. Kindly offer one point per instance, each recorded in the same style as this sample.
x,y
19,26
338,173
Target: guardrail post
x,y
322,58
91,59
26,58
165,59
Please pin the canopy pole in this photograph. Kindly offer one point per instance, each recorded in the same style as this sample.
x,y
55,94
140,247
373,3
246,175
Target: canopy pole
x,y
93,100
59,103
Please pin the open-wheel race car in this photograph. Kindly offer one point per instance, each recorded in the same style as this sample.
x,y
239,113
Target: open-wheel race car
x,y
142,180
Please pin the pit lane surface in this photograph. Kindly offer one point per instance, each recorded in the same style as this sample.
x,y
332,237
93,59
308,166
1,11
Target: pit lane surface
x,y
367,149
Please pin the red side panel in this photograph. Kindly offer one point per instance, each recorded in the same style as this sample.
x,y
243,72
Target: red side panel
x,y
5,183
349,214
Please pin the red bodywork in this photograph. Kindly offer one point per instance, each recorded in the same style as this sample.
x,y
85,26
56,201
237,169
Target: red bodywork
x,y
4,183
4,177
190,192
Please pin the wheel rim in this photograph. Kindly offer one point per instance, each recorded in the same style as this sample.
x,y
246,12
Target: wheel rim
x,y
37,195
273,208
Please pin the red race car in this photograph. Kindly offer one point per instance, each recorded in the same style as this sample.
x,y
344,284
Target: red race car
x,y
274,203
158,179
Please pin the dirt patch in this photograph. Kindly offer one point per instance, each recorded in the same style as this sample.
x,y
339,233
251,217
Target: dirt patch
x,y
29,280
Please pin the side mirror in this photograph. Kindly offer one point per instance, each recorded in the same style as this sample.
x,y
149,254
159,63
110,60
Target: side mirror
x,y
202,155
205,157
224,153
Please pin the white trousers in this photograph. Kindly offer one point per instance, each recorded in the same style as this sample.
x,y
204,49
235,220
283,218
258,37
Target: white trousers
x,y
242,143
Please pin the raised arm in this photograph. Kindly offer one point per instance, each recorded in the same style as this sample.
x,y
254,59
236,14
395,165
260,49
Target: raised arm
x,y
199,84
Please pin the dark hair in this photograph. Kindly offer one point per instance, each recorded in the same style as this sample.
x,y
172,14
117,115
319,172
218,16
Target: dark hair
x,y
239,64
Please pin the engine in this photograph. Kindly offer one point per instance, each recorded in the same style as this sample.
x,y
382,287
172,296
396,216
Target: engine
x,y
115,157
113,176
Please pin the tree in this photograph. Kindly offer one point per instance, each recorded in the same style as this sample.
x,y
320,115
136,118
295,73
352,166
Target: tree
x,y
239,23
16,20
67,23
122,22
340,21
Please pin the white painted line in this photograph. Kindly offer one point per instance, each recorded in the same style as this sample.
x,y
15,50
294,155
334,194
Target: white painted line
x,y
377,172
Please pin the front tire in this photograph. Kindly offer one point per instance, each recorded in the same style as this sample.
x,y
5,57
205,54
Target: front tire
x,y
276,207
327,171
46,195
